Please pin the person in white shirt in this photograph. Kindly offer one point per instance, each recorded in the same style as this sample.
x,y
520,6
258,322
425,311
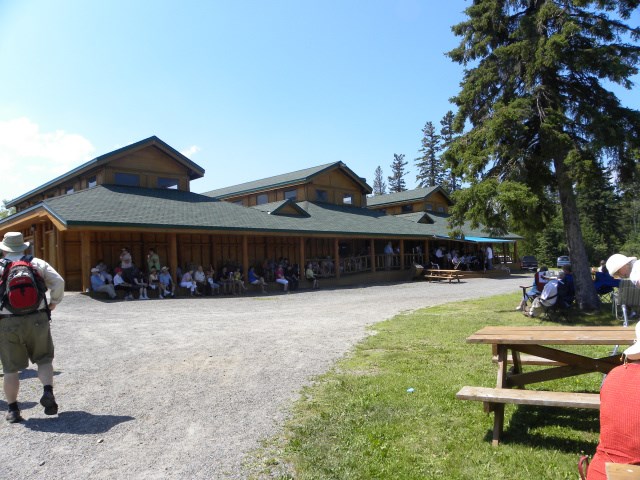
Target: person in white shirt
x,y
489,257
37,344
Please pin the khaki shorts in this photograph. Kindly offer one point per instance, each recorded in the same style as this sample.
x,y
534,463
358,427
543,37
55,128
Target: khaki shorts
x,y
24,338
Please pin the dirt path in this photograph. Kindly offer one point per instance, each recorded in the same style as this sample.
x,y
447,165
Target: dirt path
x,y
186,388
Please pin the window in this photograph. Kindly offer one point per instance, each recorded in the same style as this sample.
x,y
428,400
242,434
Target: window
x,y
128,179
440,209
429,207
407,208
68,190
239,202
347,199
91,182
262,199
171,183
291,195
322,196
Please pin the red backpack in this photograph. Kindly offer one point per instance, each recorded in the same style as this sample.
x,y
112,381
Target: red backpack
x,y
22,289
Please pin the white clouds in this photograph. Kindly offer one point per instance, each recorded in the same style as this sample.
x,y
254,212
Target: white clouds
x,y
29,157
191,151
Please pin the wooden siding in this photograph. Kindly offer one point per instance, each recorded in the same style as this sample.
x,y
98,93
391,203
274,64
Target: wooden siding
x,y
335,182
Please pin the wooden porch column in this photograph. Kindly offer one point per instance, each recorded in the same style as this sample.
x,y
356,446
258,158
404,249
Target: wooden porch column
x,y
173,256
59,266
245,257
336,254
401,254
85,260
426,257
372,253
38,249
303,267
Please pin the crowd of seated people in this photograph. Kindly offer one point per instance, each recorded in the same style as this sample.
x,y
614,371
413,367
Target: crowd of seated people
x,y
194,280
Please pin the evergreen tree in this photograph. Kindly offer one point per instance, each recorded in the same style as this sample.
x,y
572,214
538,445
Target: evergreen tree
x,y
430,170
379,185
447,135
396,180
539,113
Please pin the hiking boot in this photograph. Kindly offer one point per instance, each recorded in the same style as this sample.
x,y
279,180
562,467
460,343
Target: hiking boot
x,y
48,401
13,416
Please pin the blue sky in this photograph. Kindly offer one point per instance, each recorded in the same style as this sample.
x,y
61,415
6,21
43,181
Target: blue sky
x,y
245,88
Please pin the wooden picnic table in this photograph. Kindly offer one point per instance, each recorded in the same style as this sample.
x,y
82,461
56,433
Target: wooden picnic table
x,y
441,274
542,345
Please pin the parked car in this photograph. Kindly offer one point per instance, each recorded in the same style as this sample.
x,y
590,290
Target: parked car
x,y
563,260
529,262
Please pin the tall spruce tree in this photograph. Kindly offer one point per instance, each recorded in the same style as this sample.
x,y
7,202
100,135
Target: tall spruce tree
x,y
396,180
447,135
533,93
430,169
379,185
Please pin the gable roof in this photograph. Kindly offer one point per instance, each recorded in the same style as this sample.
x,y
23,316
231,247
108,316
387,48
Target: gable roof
x,y
406,196
287,179
282,207
195,171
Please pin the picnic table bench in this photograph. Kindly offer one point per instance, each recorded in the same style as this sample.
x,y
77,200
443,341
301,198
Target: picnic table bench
x,y
439,274
541,346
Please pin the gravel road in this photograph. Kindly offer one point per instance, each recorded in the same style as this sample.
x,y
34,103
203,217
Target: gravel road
x,y
186,388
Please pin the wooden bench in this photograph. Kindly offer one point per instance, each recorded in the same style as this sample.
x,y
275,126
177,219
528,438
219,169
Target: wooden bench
x,y
492,396
437,274
529,360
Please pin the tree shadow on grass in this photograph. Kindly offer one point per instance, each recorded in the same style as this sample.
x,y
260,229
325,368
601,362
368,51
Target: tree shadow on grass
x,y
77,423
527,421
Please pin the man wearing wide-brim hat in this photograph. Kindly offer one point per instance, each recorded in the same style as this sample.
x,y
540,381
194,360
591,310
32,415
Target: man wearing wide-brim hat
x,y
622,266
25,338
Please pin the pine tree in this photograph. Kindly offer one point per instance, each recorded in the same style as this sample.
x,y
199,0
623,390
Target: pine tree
x,y
430,170
396,180
447,135
379,185
533,94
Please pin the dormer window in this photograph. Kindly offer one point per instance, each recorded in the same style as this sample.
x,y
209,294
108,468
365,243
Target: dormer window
x,y
407,208
291,195
128,179
262,198
68,190
171,183
322,196
347,199
92,182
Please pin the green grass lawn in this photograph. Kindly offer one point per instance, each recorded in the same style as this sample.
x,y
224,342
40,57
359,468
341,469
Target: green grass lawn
x,y
359,421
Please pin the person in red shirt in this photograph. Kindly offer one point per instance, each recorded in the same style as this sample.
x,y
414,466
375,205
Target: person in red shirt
x,y
619,415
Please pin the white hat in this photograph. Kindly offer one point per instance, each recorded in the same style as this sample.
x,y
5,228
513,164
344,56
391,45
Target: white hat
x,y
617,261
633,352
13,242
95,270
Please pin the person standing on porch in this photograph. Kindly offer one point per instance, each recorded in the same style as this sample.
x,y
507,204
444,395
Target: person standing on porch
x,y
489,257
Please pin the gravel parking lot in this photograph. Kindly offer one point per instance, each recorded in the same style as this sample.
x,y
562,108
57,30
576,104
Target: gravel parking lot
x,y
186,388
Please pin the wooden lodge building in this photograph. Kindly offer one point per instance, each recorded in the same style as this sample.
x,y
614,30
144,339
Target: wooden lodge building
x,y
139,197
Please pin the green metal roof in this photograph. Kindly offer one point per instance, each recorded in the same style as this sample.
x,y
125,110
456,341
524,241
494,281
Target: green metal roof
x,y
414,195
165,209
292,178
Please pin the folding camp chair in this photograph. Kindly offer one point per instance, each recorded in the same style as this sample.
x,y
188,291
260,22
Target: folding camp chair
x,y
604,285
626,298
